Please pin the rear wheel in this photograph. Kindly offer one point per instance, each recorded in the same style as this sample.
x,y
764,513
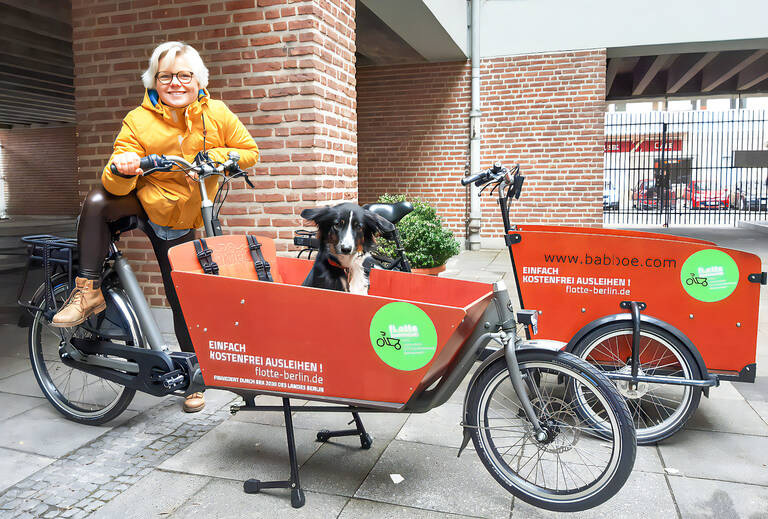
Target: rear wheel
x,y
658,410
581,463
79,396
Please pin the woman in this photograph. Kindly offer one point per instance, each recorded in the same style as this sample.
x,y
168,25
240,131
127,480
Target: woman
x,y
177,117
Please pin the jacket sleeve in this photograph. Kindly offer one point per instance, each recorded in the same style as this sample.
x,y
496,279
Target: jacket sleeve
x,y
126,141
236,138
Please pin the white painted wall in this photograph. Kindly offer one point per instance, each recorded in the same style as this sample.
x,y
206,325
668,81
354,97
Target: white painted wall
x,y
452,15
531,26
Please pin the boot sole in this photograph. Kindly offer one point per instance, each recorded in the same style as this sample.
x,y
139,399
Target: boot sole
x,y
95,311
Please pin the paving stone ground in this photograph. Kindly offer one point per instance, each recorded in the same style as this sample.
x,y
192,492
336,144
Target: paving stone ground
x,y
81,482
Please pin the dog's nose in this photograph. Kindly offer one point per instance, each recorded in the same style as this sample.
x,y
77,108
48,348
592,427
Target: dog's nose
x,y
346,249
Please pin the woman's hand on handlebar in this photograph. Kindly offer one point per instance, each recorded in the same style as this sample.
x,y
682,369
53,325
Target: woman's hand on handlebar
x,y
128,164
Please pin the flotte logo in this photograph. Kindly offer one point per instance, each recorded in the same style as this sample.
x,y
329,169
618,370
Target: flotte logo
x,y
402,331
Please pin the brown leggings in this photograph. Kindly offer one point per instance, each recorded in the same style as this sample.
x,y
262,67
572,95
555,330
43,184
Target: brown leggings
x,y
93,239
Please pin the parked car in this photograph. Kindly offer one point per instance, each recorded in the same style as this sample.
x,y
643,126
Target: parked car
x,y
704,195
647,196
610,197
750,196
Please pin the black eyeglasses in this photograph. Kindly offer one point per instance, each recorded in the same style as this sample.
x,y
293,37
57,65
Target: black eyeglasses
x,y
183,76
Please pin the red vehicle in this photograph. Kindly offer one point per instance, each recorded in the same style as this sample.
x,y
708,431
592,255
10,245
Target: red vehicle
x,y
702,195
647,196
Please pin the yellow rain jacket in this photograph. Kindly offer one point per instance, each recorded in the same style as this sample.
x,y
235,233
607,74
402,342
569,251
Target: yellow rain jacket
x,y
154,128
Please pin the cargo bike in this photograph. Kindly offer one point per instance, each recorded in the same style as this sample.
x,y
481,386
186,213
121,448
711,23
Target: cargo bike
x,y
664,317
549,427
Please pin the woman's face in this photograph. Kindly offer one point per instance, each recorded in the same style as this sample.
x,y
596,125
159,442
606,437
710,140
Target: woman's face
x,y
176,93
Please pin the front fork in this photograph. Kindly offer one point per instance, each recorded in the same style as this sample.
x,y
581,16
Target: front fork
x,y
506,336
516,377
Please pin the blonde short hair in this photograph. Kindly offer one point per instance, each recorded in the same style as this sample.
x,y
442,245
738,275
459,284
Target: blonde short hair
x,y
172,49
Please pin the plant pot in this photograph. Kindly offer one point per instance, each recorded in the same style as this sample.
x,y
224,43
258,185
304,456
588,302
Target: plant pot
x,y
432,271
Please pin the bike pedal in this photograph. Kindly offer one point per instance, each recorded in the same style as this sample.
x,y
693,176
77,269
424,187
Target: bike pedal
x,y
172,380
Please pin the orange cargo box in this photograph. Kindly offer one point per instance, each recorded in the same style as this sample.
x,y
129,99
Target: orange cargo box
x,y
285,338
577,276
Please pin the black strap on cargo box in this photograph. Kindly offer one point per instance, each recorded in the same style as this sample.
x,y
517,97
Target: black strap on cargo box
x,y
205,257
260,264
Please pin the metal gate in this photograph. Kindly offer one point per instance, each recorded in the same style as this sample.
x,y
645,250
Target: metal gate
x,y
678,168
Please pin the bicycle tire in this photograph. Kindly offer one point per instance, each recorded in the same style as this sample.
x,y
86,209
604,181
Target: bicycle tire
x,y
658,410
491,418
55,378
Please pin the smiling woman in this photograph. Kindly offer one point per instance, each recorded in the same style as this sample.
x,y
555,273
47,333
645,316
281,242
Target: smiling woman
x,y
177,72
176,117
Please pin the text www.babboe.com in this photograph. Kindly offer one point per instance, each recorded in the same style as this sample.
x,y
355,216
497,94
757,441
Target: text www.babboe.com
x,y
611,260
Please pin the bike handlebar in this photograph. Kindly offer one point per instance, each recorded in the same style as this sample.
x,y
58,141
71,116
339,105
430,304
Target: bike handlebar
x,y
498,174
153,162
480,178
203,166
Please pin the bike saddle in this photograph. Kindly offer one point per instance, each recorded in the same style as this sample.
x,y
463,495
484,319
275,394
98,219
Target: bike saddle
x,y
392,212
125,224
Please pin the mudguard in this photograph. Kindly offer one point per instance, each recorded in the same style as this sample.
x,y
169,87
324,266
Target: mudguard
x,y
644,319
552,347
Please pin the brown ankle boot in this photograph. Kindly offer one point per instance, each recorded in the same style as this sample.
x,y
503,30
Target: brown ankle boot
x,y
85,300
193,403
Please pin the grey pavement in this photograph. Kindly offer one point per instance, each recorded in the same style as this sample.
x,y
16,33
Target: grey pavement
x,y
155,461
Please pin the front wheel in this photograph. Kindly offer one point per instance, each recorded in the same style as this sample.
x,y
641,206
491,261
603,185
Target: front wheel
x,y
79,396
581,463
658,410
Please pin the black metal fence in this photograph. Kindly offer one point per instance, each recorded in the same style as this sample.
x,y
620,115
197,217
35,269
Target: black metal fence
x,y
678,168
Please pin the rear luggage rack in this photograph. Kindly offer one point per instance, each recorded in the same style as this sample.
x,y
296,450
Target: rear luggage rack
x,y
57,255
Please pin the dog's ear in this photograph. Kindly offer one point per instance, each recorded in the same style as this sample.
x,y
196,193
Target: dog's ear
x,y
377,223
319,215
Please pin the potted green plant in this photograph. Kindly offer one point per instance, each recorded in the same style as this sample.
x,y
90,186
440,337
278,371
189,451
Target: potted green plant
x,y
426,243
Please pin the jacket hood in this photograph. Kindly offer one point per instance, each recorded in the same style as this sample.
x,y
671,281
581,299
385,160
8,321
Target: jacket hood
x,y
152,100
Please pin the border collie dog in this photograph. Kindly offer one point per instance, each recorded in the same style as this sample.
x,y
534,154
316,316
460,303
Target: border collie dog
x,y
345,232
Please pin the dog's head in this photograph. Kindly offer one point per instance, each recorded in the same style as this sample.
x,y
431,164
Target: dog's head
x,y
347,228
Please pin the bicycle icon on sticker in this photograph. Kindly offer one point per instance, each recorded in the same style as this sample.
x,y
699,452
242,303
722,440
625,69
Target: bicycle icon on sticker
x,y
388,341
696,280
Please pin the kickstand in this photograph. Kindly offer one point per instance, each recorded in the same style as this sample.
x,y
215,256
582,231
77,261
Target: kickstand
x,y
365,439
254,486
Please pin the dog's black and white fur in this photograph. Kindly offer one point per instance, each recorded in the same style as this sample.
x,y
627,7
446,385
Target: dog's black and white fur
x,y
346,234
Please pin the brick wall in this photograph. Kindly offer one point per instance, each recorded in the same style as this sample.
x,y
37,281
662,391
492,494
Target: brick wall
x,y
38,168
413,134
285,67
543,111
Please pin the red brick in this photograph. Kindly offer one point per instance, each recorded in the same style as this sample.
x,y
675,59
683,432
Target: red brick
x,y
257,28
275,105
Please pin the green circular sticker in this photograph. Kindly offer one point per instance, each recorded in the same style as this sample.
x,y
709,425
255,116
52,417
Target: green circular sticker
x,y
709,275
403,336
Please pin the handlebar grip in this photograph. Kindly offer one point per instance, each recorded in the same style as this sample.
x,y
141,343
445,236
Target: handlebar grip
x,y
468,180
145,163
